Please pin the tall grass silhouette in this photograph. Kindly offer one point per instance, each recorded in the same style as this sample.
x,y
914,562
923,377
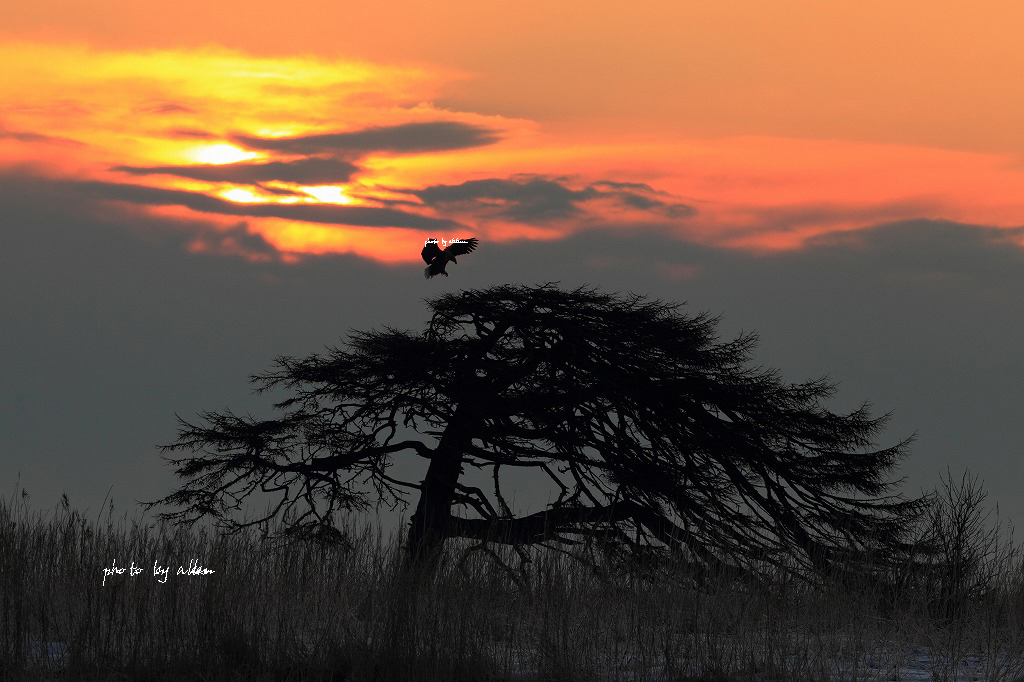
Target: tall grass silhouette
x,y
308,611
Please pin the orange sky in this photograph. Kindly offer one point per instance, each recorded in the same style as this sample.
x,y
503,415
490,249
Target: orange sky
x,y
744,124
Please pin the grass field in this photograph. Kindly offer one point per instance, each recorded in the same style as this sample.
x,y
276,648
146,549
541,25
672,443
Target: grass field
x,y
310,612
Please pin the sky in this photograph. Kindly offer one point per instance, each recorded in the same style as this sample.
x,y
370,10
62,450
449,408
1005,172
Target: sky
x,y
188,190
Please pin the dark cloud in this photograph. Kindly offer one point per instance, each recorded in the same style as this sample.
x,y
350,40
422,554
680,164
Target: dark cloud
x,y
116,320
644,197
315,213
523,199
25,136
541,199
787,218
112,326
904,237
191,132
302,171
406,138
281,192
166,108
919,317
386,201
22,136
80,204
233,241
634,186
673,211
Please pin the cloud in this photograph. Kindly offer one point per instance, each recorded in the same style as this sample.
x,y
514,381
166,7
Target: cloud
x,y
64,208
544,199
117,323
794,225
166,108
238,240
898,248
280,191
405,138
25,136
22,136
120,318
191,132
525,199
367,216
904,237
303,171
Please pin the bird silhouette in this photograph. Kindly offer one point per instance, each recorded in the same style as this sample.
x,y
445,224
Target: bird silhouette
x,y
436,259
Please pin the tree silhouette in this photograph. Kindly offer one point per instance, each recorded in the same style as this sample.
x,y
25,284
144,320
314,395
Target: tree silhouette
x,y
655,436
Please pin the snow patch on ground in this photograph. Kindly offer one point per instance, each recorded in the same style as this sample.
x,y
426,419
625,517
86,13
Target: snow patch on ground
x,y
913,665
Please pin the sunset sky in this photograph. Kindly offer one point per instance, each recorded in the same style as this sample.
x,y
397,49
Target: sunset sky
x,y
188,189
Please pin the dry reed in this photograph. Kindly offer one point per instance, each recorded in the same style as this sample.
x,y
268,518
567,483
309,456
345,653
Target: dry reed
x,y
307,611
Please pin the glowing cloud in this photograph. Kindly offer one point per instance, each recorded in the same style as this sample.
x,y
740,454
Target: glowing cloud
x,y
327,194
221,153
325,155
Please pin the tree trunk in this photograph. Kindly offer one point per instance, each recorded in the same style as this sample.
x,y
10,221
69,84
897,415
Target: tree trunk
x,y
429,526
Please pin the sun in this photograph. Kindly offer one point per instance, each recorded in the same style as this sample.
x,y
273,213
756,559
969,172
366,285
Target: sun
x,y
328,194
220,154
240,195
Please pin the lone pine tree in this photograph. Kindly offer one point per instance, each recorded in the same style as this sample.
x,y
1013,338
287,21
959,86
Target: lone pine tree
x,y
653,434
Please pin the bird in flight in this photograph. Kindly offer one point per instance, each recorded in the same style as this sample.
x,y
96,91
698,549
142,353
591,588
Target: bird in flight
x,y
436,259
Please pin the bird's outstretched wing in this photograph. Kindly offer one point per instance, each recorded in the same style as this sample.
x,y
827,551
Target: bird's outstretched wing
x,y
457,248
430,251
